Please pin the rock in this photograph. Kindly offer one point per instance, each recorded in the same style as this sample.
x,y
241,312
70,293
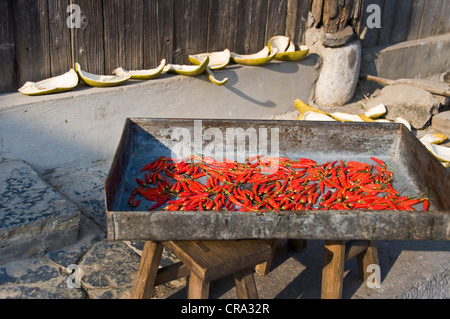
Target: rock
x,y
339,71
340,38
411,103
441,123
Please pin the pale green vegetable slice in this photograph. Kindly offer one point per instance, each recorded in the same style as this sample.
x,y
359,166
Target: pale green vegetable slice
x,y
217,60
286,49
293,55
346,117
279,42
213,79
442,153
302,107
188,70
101,80
314,116
143,74
404,122
262,57
434,138
60,83
376,111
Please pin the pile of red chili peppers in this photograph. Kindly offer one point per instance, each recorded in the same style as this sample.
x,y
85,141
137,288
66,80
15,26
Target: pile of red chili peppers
x,y
268,184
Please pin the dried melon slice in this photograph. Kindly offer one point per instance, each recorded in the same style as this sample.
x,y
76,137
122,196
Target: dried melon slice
x,y
101,80
346,117
213,79
279,42
404,122
60,83
442,153
365,118
293,55
286,49
315,116
302,107
376,111
217,60
434,138
143,74
188,70
262,57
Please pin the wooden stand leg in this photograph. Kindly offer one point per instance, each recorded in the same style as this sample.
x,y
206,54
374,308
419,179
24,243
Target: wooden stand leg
x,y
264,268
245,285
148,268
198,288
366,258
333,269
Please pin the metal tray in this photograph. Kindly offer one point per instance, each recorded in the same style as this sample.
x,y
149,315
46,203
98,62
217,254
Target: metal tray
x,y
416,171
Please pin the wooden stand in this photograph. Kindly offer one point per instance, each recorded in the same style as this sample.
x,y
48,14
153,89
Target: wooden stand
x,y
203,262
336,253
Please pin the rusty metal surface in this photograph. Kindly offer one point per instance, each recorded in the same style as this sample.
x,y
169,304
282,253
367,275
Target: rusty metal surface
x,y
416,171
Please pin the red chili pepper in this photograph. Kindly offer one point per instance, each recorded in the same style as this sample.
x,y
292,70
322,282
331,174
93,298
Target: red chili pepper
x,y
378,161
235,201
140,181
426,204
159,204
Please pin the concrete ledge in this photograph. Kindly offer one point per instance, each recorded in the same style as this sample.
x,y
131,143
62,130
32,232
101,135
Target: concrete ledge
x,y
82,126
422,58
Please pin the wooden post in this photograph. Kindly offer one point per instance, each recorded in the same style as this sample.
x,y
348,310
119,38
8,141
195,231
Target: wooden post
x,y
198,288
148,268
245,284
265,267
366,258
333,269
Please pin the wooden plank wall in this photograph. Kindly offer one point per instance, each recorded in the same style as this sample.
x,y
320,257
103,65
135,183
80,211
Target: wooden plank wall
x,y
35,42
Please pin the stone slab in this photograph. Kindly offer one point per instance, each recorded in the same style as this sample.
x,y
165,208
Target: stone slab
x,y
421,58
441,123
34,218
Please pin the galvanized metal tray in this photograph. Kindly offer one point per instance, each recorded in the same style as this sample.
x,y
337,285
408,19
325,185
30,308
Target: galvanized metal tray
x,y
416,171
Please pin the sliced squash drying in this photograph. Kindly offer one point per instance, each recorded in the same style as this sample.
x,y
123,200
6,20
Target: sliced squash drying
x,y
262,57
60,83
213,78
188,70
101,80
286,50
217,60
315,116
143,74
376,112
442,153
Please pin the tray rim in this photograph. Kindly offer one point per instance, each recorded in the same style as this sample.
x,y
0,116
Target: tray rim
x,y
113,216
